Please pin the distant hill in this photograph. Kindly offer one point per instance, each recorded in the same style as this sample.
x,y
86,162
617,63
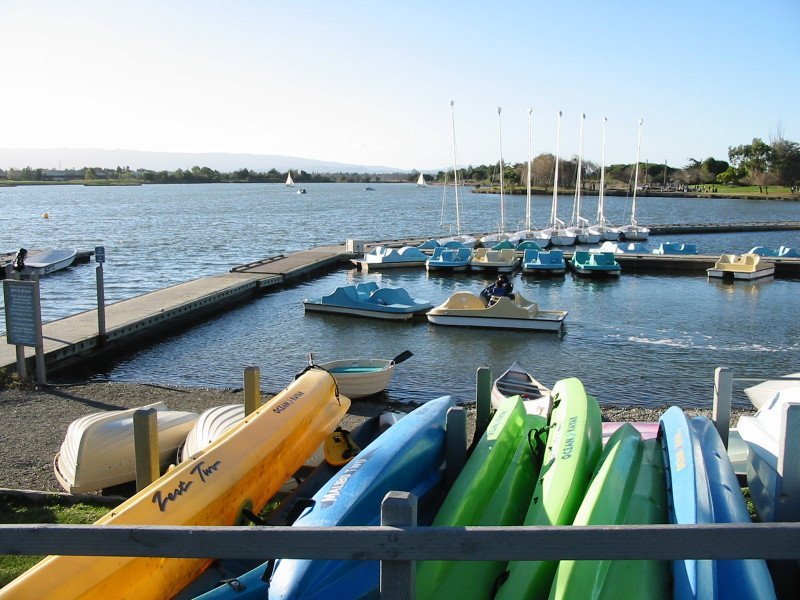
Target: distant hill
x,y
69,158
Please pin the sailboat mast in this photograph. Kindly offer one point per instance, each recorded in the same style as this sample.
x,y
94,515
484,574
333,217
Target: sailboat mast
x,y
502,198
455,167
554,207
601,218
577,216
636,176
528,202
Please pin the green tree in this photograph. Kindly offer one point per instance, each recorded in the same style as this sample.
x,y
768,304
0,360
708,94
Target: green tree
x,y
754,158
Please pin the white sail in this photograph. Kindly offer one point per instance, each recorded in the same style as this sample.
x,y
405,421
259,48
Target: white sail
x,y
289,180
421,181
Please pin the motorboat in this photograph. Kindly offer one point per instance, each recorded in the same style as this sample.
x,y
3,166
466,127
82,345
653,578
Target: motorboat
x,y
209,427
98,449
449,259
466,309
243,469
382,257
362,377
595,264
369,300
544,262
762,393
744,266
40,263
502,261
624,248
301,191
516,381
675,248
369,189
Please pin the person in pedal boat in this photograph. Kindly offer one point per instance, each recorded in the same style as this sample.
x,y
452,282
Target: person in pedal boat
x,y
501,287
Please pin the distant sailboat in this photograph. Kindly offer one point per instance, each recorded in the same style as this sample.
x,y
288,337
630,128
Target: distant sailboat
x,y
541,237
467,240
421,181
559,234
501,234
289,180
634,231
607,230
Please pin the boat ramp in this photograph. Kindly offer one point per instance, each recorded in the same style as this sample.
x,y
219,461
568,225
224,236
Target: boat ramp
x,y
75,339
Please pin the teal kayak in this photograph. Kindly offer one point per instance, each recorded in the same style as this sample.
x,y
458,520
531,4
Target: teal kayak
x,y
493,488
573,449
628,488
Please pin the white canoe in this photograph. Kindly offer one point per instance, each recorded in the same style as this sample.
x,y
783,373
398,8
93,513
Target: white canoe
x,y
98,449
765,391
209,427
517,381
361,377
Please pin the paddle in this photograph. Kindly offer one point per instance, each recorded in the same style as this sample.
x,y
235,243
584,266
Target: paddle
x,y
403,356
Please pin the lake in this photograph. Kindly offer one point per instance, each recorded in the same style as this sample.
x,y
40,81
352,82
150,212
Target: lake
x,y
648,339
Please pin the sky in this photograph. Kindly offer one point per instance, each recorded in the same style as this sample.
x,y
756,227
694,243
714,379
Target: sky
x,y
370,83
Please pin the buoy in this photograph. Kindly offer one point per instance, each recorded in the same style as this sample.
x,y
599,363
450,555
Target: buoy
x,y
46,216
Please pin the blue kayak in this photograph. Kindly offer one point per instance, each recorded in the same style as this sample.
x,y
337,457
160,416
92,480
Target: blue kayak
x,y
408,457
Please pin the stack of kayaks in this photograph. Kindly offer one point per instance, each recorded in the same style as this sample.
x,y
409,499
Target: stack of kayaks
x,y
493,488
628,488
572,451
409,456
702,488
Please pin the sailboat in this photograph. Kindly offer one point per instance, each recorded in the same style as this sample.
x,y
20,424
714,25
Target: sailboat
x,y
467,240
607,230
541,237
584,233
634,231
559,234
501,234
289,180
421,181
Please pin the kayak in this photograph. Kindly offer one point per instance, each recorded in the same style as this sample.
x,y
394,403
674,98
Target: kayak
x,y
409,457
241,470
573,449
628,488
493,488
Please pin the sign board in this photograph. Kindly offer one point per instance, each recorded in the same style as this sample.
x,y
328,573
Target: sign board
x,y
23,312
100,254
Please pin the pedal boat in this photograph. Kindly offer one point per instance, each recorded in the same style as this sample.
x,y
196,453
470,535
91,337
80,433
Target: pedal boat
x,y
368,300
595,264
382,257
745,266
466,309
502,261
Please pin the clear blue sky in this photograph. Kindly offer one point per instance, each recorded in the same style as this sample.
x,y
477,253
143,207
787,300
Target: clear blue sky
x,y
370,82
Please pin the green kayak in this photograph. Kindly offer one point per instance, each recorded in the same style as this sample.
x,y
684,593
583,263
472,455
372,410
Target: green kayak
x,y
494,488
628,488
573,449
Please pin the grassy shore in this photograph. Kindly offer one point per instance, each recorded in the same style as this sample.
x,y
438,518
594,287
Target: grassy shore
x,y
749,192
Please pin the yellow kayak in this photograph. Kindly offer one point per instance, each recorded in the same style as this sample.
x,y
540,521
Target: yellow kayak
x,y
242,469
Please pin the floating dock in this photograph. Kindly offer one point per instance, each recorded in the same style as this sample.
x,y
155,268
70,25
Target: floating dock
x,y
75,339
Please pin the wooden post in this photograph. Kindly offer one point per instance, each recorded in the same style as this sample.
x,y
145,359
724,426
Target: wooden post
x,y
483,400
456,450
41,375
252,389
145,440
101,306
787,498
398,509
723,390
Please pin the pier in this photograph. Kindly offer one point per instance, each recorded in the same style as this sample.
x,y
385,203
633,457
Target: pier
x,y
75,339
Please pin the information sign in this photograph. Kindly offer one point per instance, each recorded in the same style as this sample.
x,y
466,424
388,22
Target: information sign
x,y
23,313
100,254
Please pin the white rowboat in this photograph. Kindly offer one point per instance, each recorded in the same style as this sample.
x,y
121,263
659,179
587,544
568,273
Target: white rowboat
x,y
362,377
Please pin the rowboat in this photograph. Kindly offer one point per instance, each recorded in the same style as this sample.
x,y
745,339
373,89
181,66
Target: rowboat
x,y
628,488
242,469
571,454
362,377
494,488
408,456
516,381
98,449
765,391
40,263
209,427
368,300
465,309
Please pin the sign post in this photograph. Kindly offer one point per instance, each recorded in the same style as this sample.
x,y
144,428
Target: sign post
x,y
100,258
24,323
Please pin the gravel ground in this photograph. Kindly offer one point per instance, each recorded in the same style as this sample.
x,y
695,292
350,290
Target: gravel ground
x,y
33,421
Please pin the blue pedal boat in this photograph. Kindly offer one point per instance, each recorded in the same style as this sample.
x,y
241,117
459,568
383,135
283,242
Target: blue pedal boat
x,y
541,262
595,264
369,300
449,259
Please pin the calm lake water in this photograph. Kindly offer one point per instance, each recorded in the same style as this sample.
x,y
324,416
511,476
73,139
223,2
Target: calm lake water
x,y
643,339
